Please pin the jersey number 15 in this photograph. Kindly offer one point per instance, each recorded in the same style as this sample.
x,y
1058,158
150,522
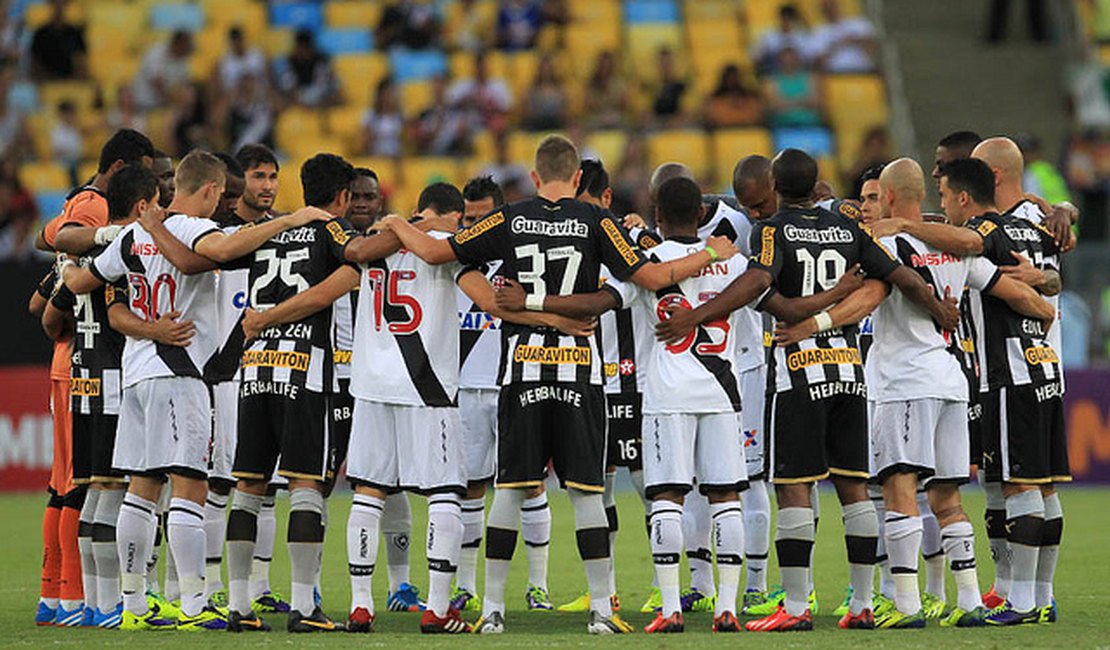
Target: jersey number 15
x,y
386,289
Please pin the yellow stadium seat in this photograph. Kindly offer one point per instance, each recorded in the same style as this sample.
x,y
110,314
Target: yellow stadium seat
x,y
522,147
359,75
305,148
416,173
811,10
462,65
39,14
829,171
609,146
345,123
290,195
249,15
297,125
730,145
521,72
352,14
87,169
485,150
387,169
1104,54
689,146
855,99
96,134
595,11
416,97
113,69
484,10
644,42
38,128
81,93
158,129
210,44
121,22
760,16
276,42
710,10
585,42
44,177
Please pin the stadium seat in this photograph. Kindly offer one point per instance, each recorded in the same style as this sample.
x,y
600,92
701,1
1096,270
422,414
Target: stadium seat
x,y
497,63
730,145
609,146
177,16
209,45
345,123
43,177
114,25
817,141
587,41
277,42
352,14
38,14
710,10
689,146
759,17
38,128
651,11
522,147
416,65
248,15
644,43
81,93
298,124
344,41
416,96
416,173
296,15
596,11
855,99
291,196
359,75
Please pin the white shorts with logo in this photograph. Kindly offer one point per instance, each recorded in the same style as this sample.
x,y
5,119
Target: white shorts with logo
x,y
165,426
225,429
925,436
478,414
414,448
753,389
679,449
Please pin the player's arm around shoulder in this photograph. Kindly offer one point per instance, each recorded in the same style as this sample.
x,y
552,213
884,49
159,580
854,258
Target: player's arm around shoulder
x,y
477,287
221,247
430,249
173,249
343,280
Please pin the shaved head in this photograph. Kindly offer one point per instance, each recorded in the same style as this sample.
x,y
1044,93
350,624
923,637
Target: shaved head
x,y
904,179
666,172
1003,155
752,186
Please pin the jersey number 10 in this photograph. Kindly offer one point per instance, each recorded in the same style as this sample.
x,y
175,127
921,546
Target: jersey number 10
x,y
820,273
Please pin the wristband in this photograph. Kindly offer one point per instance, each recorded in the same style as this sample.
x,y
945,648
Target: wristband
x,y
105,234
533,302
713,256
824,321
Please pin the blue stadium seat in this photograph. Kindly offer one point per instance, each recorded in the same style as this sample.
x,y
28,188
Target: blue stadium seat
x,y
178,16
651,11
50,204
416,65
344,41
297,15
817,141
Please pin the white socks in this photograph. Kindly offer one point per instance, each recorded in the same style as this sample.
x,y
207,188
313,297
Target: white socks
x,y
592,533
263,548
696,532
362,548
397,530
243,524
1050,549
728,538
794,535
84,546
666,550
104,550
958,540
861,536
305,540
535,528
1025,514
186,532
444,537
215,530
757,533
501,534
903,543
134,538
473,514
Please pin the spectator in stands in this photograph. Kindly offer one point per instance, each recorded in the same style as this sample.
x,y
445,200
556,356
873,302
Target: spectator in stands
x,y
240,61
666,105
165,67
510,175
11,34
606,99
874,150
546,104
414,25
518,24
15,141
474,29
308,77
58,48
125,114
1041,177
484,101
733,103
18,215
383,125
189,120
791,32
793,97
251,117
66,140
1087,167
441,128
843,44
630,180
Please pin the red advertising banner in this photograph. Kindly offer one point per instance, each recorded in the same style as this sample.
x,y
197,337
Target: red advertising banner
x,y
26,428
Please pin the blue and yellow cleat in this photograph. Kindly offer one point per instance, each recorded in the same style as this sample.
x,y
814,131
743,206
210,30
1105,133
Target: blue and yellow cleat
x,y
1048,613
45,614
896,620
208,618
464,601
73,618
167,609
111,620
152,621
1005,615
537,600
405,599
270,602
961,618
693,600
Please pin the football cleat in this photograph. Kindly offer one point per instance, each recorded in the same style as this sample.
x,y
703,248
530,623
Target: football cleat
x,y
896,620
316,622
726,622
450,624
780,621
168,609
464,601
270,602
693,600
814,607
842,609
1048,613
88,618
109,621
615,603
881,605
865,620
492,624
1005,614
992,600
208,618
932,606
758,603
248,622
666,624
960,618
45,614
405,599
537,599
72,618
580,604
152,620
654,602
218,599
607,624
360,621
317,597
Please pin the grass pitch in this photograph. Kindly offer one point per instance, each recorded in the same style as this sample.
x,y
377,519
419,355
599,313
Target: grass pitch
x,y
1082,589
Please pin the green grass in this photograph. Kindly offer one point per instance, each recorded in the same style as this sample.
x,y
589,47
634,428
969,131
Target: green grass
x,y
1082,586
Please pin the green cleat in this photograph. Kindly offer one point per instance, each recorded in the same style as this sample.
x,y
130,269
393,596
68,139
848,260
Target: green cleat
x,y
537,599
167,609
842,609
813,606
896,620
580,604
693,600
218,599
654,602
153,621
763,603
1048,613
881,605
270,602
209,618
464,601
933,606
960,618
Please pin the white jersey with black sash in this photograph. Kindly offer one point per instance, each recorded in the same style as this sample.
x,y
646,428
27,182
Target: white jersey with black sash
x,y
480,339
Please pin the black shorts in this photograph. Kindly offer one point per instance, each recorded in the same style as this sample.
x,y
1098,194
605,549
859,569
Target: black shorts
x,y
81,448
282,420
342,407
559,422
816,431
975,427
625,415
1024,438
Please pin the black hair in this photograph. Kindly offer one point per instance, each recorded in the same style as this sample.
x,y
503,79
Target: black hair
x,y
679,201
233,166
483,187
442,198
250,156
960,140
128,186
749,168
973,176
872,173
366,171
795,174
594,180
127,145
323,177
158,153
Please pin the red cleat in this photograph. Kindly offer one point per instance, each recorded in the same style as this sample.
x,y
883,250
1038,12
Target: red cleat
x,y
361,621
726,622
865,620
450,624
666,624
780,621
991,599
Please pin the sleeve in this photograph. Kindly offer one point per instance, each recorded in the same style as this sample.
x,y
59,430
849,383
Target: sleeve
x,y
484,241
766,251
46,285
994,247
625,292
191,230
618,252
109,265
84,210
982,274
645,239
339,233
117,293
64,300
874,258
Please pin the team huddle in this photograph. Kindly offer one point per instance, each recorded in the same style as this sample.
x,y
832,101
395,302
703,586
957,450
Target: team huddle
x,y
218,352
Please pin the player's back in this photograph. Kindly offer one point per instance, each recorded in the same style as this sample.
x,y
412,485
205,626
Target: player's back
x,y
231,299
479,339
406,333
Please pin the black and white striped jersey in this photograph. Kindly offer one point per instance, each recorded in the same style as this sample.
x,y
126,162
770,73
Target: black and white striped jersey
x,y
406,346
231,301
97,349
298,353
343,332
556,248
156,287
807,250
1013,350
479,339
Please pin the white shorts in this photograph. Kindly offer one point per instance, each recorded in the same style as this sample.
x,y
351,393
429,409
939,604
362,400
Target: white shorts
x,y
753,389
225,429
165,426
924,436
478,413
414,448
681,448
